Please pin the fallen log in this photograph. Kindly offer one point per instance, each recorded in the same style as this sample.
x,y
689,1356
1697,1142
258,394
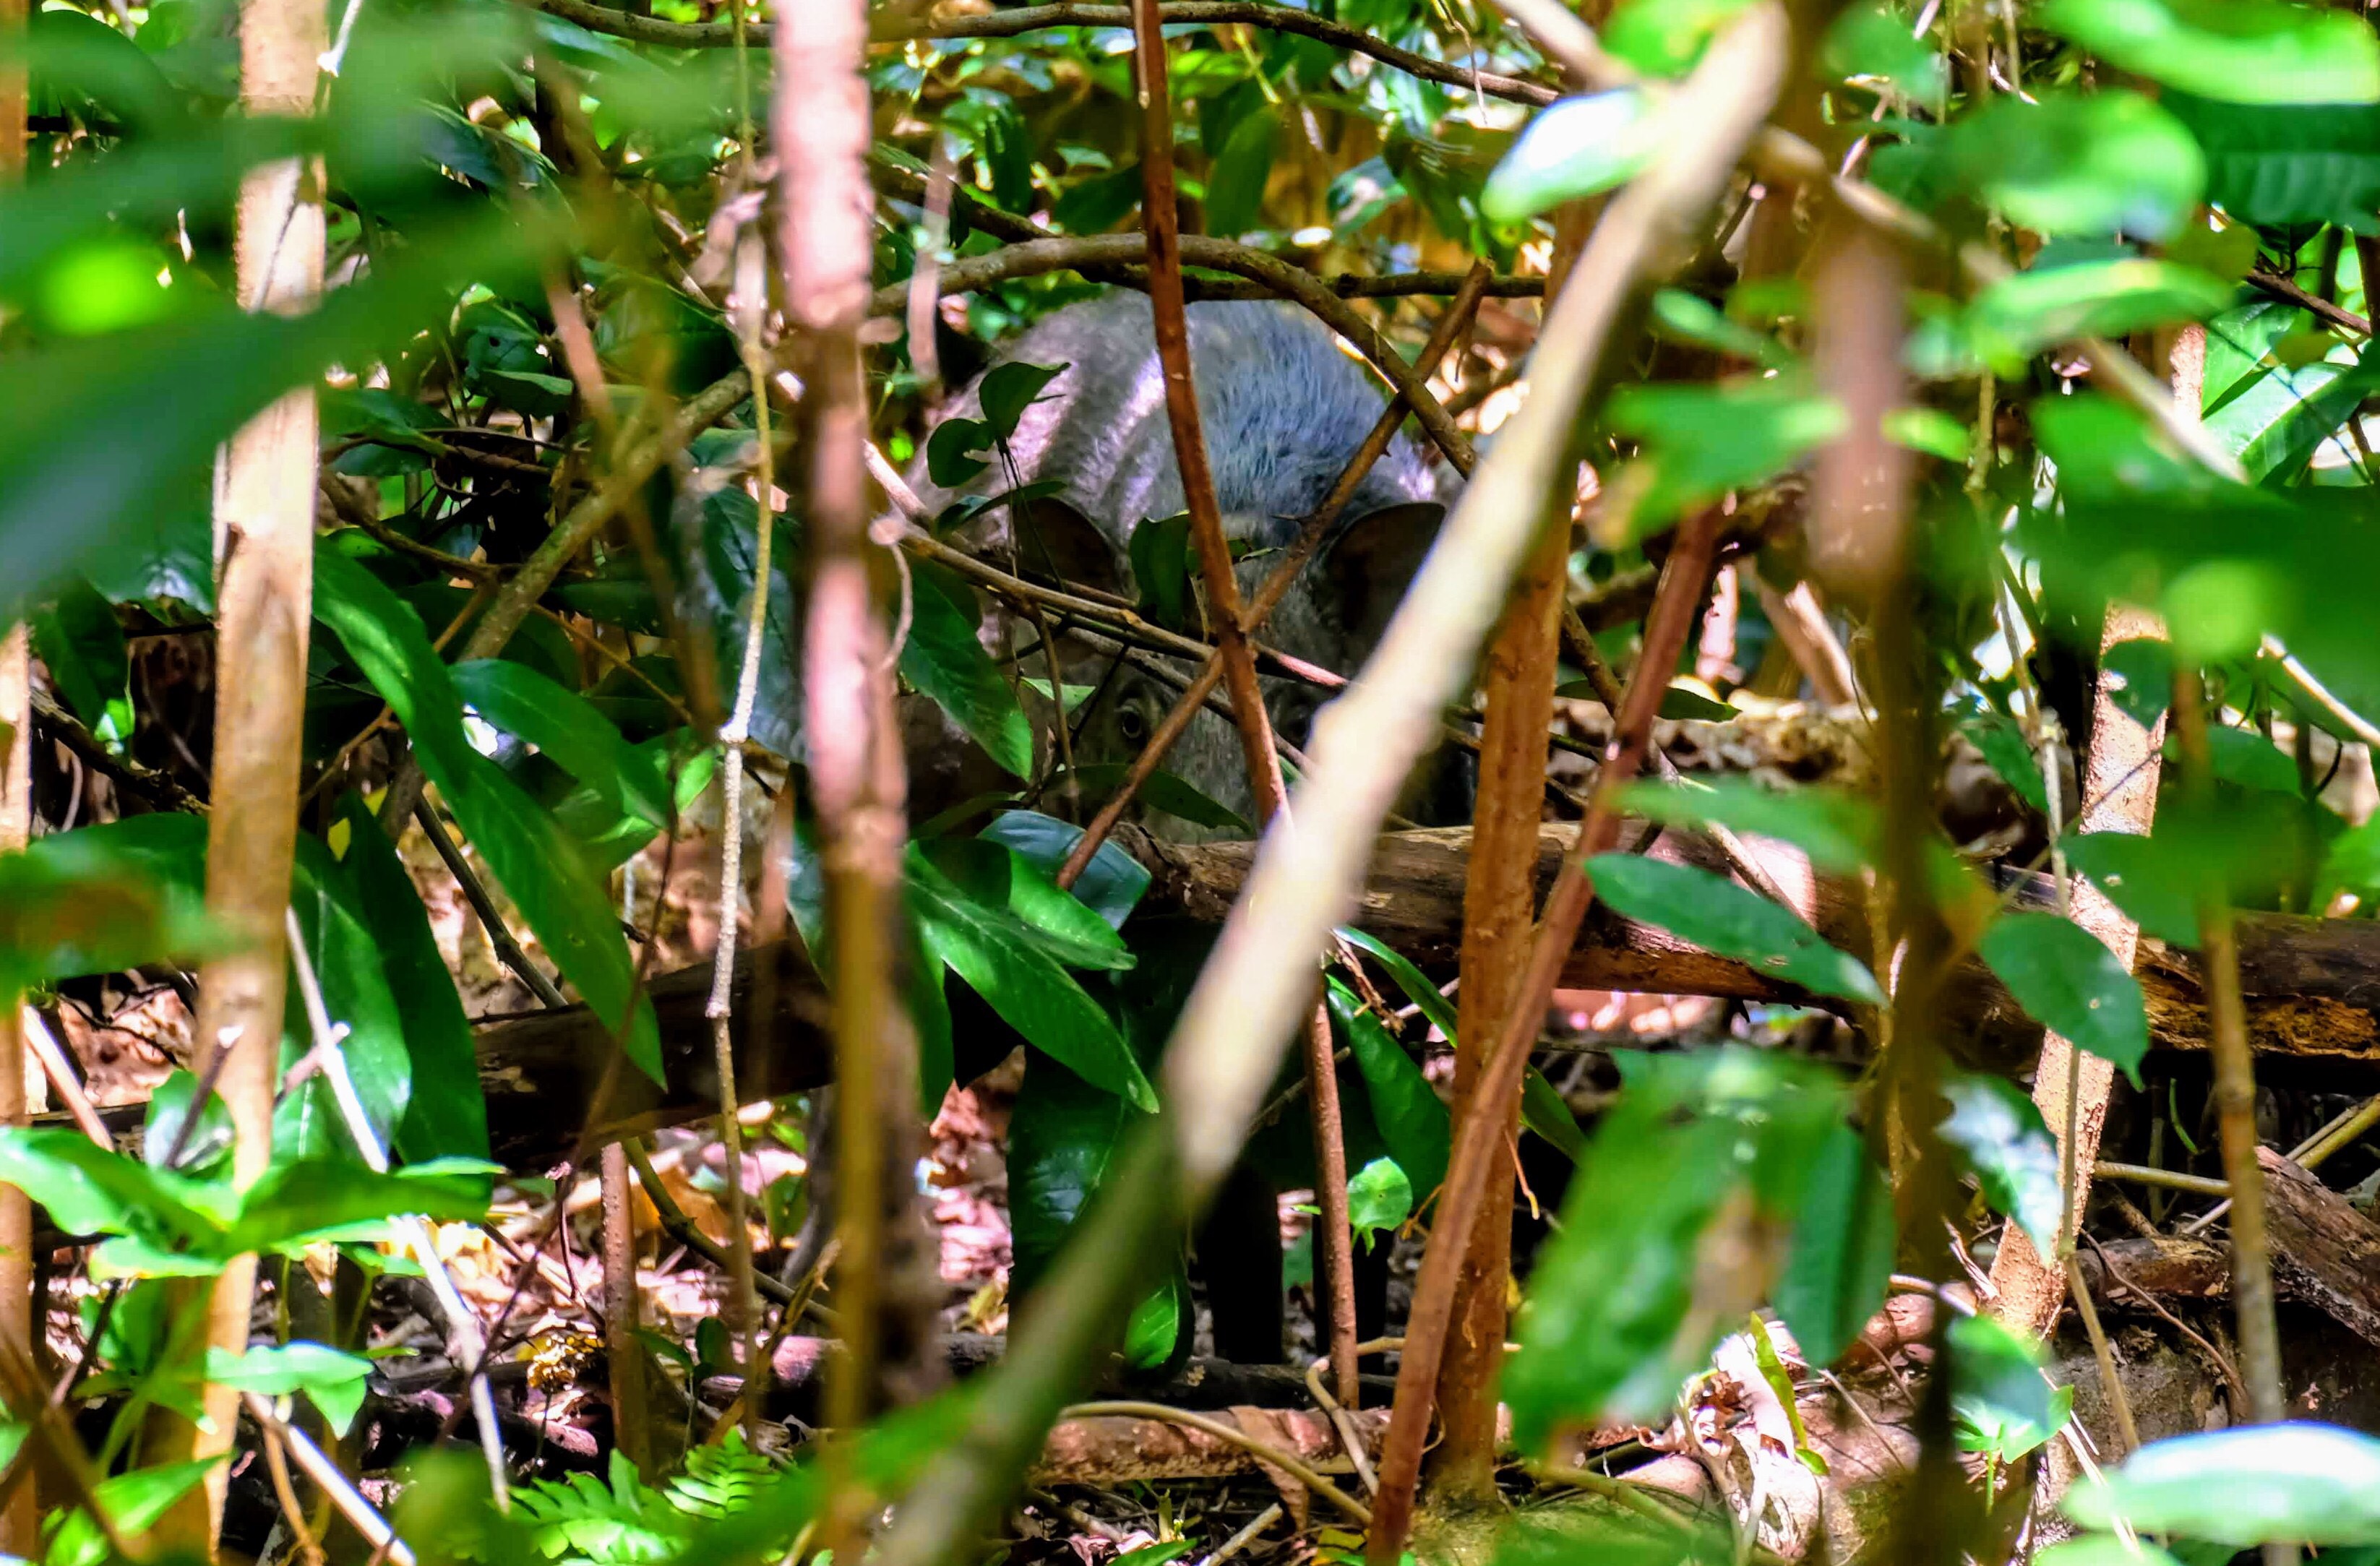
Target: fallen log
x,y
2312,989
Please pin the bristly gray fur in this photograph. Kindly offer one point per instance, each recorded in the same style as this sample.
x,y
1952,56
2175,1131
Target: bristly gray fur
x,y
1283,409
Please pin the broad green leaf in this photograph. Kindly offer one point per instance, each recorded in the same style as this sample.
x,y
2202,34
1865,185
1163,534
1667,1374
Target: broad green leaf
x,y
2292,163
2010,755
2295,1482
2105,162
999,877
1603,1327
76,632
2237,51
134,1501
2103,1549
1843,1247
2278,422
943,659
951,458
1723,918
196,1149
1572,149
557,889
2244,757
1160,569
1697,442
333,1380
1008,962
1112,884
1543,1111
2139,874
1159,1331
2139,673
1380,1197
2070,984
562,724
1417,987
1871,40
1410,1116
1837,831
1999,1133
1236,183
90,1190
2022,314
1692,319
2005,1407
1780,1383
1009,389
1063,1136
296,1203
1665,37
445,1112
611,835
356,991
91,901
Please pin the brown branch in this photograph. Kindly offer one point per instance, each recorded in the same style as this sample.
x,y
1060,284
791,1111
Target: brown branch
x,y
2234,1087
1161,223
2280,287
1033,19
1277,585
151,787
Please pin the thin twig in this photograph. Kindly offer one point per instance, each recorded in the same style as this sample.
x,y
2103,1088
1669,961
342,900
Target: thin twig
x,y
2171,1179
2108,1381
2343,1131
1288,1463
1246,1536
276,1461
684,1230
475,892
325,1473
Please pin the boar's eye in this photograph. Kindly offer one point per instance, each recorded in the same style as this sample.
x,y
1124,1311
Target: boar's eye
x,y
1132,723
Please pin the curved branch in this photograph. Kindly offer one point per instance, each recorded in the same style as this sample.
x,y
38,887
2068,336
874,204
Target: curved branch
x,y
1034,19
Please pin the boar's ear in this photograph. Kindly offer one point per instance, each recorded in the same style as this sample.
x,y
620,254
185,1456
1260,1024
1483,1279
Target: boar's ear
x,y
1060,538
1373,561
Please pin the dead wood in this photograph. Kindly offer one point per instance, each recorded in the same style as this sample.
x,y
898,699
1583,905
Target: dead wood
x,y
1106,1449
2324,1253
2313,987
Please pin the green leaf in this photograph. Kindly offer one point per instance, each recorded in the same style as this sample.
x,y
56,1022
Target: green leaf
x,y
558,892
1543,1111
90,1190
1679,703
1411,1117
1837,831
1723,918
1063,1136
207,1143
951,458
445,1111
357,993
1606,1327
2103,1549
1572,149
92,901
2238,51
565,727
1872,40
1112,884
1692,319
1405,977
2279,165
334,1381
2070,984
1235,186
1780,1383
1009,389
2139,876
1160,569
2022,314
1008,962
2010,754
1380,1197
135,1502
1158,1331
945,659
2105,162
81,644
298,1203
2005,1406
2142,678
1844,1240
998,877
1665,37
1999,1133
2294,1482
611,835
1697,442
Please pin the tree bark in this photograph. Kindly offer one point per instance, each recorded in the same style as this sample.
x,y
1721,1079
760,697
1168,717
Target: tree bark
x,y
264,554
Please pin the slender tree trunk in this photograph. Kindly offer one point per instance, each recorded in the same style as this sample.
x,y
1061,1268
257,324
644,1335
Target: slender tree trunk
x,y
856,772
264,561
19,1311
1498,910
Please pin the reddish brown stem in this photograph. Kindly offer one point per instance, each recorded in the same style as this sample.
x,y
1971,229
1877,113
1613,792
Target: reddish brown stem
x,y
1276,586
1479,1142
1162,220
